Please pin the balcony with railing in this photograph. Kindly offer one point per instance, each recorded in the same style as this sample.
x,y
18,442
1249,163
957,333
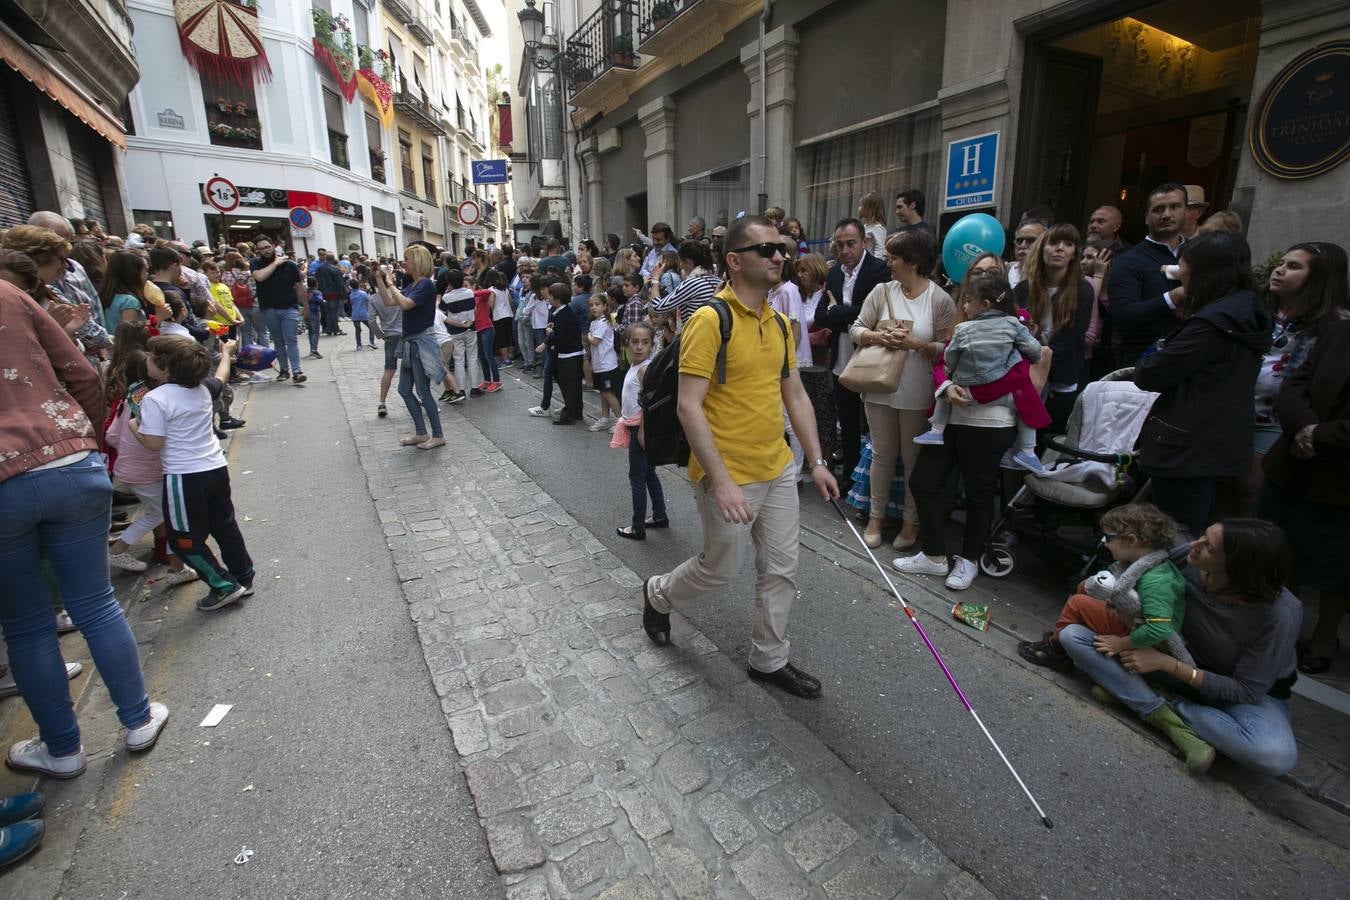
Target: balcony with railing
x,y
400,10
420,24
600,55
664,27
413,102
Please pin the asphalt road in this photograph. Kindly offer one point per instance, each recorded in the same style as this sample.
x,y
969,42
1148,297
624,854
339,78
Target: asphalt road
x,y
335,765
1128,818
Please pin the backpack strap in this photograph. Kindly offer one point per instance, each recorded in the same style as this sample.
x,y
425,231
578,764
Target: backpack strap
x,y
782,326
724,325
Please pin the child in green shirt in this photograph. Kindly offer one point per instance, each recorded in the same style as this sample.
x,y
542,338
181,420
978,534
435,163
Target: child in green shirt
x,y
1139,602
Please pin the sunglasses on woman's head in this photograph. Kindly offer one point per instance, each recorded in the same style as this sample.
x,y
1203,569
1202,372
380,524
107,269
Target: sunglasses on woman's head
x,y
767,249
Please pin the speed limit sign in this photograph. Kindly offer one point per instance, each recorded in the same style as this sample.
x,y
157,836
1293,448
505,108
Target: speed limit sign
x,y
221,194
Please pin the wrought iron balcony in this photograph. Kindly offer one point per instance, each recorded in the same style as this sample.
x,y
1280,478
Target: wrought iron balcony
x,y
415,105
460,34
601,52
400,10
420,23
664,27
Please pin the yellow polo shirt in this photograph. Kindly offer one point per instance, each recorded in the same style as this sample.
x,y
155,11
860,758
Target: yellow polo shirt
x,y
746,413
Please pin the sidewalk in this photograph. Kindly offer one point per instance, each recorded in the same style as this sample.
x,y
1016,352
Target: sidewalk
x,y
599,764
1316,795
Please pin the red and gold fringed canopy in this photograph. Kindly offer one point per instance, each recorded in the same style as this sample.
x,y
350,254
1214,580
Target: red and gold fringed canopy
x,y
377,91
221,38
342,67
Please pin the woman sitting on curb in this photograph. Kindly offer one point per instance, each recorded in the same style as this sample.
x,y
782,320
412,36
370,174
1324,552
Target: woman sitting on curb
x,y
1241,626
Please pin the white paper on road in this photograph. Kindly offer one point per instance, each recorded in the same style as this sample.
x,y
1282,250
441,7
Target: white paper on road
x,y
216,714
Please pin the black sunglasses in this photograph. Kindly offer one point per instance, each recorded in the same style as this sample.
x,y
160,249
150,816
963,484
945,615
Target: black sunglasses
x,y
767,249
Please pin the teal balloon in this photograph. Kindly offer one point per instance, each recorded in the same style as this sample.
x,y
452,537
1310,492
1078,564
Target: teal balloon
x,y
971,236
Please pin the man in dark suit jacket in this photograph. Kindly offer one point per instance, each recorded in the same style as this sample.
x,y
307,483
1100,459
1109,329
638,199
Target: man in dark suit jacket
x,y
847,285
1141,303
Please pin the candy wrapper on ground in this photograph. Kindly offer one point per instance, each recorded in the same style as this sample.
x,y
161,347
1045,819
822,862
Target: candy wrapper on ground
x,y
976,615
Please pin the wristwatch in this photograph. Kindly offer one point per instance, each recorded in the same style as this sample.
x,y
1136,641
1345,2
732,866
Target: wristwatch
x,y
819,462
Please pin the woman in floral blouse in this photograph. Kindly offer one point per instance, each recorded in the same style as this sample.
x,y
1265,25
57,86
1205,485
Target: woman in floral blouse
x,y
55,497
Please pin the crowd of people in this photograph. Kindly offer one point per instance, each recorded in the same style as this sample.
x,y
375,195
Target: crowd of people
x,y
119,355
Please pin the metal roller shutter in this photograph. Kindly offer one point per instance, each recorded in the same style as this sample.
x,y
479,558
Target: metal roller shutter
x,y
16,192
82,153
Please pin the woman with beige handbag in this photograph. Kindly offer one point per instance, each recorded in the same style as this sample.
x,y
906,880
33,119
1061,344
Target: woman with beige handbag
x,y
908,321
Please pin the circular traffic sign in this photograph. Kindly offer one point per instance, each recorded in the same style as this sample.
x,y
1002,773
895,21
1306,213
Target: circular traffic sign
x,y
300,217
469,212
221,194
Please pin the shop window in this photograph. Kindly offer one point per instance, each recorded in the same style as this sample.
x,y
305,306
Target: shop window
x,y
231,113
717,196
337,128
405,163
161,220
833,175
428,173
386,246
348,239
375,145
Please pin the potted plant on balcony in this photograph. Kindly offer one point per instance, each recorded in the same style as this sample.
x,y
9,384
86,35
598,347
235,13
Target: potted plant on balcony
x,y
622,46
662,12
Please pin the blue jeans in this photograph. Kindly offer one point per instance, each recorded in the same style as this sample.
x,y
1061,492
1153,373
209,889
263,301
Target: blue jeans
x,y
417,371
1257,736
524,333
64,513
313,322
486,356
254,329
642,479
282,323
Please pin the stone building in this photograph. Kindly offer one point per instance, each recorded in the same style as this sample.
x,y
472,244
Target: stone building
x,y
995,105
63,89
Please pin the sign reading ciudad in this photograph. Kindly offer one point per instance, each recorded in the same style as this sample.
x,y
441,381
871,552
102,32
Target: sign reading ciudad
x,y
971,166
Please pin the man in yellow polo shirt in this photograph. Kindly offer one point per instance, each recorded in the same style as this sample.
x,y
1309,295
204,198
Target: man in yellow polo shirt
x,y
744,478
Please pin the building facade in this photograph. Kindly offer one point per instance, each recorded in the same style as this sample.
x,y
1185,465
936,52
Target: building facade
x,y
354,124
678,108
68,69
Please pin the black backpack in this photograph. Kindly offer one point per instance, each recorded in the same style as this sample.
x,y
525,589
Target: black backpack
x,y
662,435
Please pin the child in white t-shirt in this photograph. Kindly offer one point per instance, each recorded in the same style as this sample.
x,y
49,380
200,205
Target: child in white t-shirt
x,y
604,360
176,419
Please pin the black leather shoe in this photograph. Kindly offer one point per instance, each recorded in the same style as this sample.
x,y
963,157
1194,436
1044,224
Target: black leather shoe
x,y
231,423
657,625
628,532
791,679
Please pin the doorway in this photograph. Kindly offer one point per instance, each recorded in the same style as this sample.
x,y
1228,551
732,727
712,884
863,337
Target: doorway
x,y
635,211
1114,107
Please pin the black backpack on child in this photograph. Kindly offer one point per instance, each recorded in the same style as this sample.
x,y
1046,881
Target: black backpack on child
x,y
662,435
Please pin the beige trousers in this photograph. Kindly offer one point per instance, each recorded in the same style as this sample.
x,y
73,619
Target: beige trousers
x,y
893,433
774,533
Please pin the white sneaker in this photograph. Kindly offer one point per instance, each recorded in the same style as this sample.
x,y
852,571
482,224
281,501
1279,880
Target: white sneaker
x,y
919,564
963,573
64,625
182,576
32,755
144,738
538,411
8,688
600,424
127,562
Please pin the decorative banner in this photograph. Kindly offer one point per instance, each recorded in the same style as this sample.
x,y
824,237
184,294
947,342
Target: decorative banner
x,y
220,38
342,67
377,91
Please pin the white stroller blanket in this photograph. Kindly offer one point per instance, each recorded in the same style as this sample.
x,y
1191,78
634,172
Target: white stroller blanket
x,y
1112,413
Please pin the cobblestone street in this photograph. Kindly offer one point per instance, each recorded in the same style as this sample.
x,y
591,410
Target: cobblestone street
x,y
594,759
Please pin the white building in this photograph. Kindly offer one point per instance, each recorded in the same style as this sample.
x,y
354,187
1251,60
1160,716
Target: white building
x,y
297,140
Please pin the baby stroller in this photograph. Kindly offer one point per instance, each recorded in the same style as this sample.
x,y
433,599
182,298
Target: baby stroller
x,y
1092,469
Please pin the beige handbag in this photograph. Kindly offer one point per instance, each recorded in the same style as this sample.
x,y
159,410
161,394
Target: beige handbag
x,y
877,369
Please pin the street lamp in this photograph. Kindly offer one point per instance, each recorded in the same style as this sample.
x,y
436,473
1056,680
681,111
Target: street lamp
x,y
532,30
